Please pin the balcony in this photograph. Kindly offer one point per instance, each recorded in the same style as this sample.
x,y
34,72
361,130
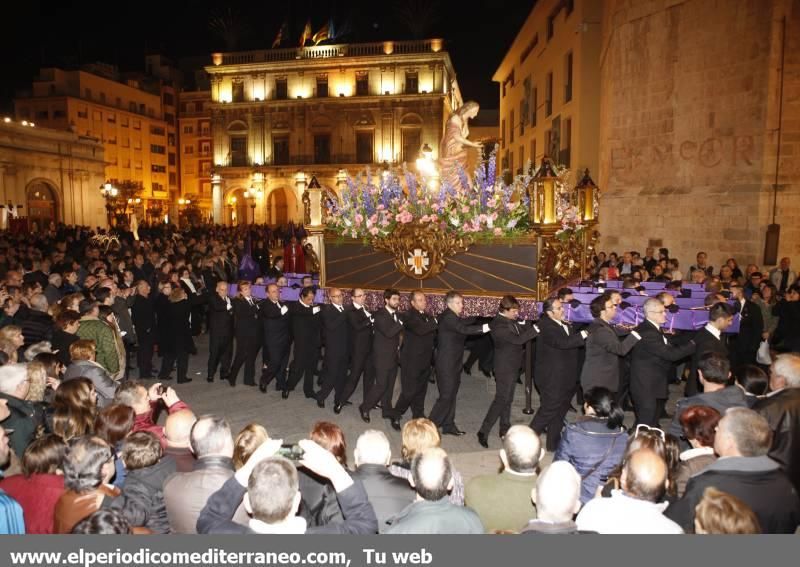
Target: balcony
x,y
301,159
329,51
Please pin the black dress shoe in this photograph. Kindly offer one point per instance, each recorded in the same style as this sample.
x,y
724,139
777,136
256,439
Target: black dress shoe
x,y
379,405
467,370
321,404
263,388
396,423
364,416
453,431
285,394
483,440
337,408
232,382
184,380
210,379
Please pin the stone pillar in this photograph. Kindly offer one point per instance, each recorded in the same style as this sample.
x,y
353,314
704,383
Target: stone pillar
x,y
216,198
258,185
300,184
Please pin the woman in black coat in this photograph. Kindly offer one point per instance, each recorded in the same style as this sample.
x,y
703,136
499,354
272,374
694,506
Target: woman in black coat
x,y
177,342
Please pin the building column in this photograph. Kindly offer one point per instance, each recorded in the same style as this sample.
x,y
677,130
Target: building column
x,y
216,199
300,184
259,182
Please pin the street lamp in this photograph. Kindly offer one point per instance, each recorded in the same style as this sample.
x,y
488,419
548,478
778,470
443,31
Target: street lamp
x,y
250,195
109,193
543,198
586,197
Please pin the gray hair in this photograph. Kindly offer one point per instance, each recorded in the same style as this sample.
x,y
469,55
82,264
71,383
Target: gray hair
x,y
211,435
271,489
372,448
522,447
651,305
750,431
37,348
11,376
787,365
39,302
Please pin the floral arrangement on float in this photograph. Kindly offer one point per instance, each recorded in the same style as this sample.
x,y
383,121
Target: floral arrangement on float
x,y
480,206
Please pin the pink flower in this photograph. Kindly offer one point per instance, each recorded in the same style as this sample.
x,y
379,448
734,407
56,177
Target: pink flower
x,y
374,231
380,207
425,218
434,218
359,218
465,209
385,223
498,231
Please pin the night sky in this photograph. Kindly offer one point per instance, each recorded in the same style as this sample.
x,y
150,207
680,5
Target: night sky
x,y
40,33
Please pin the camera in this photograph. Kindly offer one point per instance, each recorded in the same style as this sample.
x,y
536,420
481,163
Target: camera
x,y
162,389
290,451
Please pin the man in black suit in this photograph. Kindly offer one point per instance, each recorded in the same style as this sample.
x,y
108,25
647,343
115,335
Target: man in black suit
x,y
710,339
385,347
334,329
652,362
143,315
453,331
277,339
248,335
276,270
555,370
603,347
359,328
416,356
306,334
220,332
509,336
744,345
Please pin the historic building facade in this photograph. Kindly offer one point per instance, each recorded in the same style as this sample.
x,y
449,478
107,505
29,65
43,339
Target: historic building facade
x,y
48,175
685,111
549,87
133,116
282,117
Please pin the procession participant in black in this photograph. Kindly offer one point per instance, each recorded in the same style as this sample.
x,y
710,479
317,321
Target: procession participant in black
x,y
247,332
334,329
509,335
277,339
710,339
179,343
652,361
385,346
359,327
453,331
220,332
306,333
143,314
416,356
556,369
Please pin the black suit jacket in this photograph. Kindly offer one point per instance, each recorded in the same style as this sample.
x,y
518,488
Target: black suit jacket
x,y
453,331
334,328
217,515
419,339
751,325
220,318
143,314
509,344
603,351
782,411
386,339
245,319
706,342
305,326
276,323
360,332
557,363
652,359
388,494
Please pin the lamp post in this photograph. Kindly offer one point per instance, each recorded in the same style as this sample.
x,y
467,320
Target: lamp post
x,y
250,195
109,193
543,197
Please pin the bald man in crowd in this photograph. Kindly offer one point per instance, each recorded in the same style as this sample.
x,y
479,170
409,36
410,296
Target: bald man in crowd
x,y
638,507
502,500
558,498
432,512
177,430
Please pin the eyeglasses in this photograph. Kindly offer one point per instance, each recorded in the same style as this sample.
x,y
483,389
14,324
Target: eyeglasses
x,y
656,430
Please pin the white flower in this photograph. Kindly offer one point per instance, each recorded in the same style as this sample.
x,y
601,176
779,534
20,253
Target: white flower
x,y
454,221
512,223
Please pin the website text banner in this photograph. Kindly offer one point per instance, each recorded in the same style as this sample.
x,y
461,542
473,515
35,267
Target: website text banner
x,y
379,551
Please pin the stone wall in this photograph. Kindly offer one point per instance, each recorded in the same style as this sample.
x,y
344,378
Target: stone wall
x,y
688,121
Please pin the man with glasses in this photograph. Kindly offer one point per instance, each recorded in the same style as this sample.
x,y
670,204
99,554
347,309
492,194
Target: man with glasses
x,y
604,348
556,370
651,364
334,334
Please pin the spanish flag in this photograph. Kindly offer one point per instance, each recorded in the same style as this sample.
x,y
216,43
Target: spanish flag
x,y
323,33
279,37
307,31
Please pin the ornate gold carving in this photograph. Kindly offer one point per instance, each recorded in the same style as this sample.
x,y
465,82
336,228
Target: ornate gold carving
x,y
563,258
420,251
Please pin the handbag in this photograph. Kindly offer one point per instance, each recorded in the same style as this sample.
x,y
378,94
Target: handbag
x,y
763,356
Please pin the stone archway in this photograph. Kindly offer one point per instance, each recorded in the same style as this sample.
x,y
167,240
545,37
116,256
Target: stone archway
x,y
236,209
42,203
278,206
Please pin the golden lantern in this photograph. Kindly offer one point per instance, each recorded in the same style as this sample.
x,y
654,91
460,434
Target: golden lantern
x,y
543,197
586,194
